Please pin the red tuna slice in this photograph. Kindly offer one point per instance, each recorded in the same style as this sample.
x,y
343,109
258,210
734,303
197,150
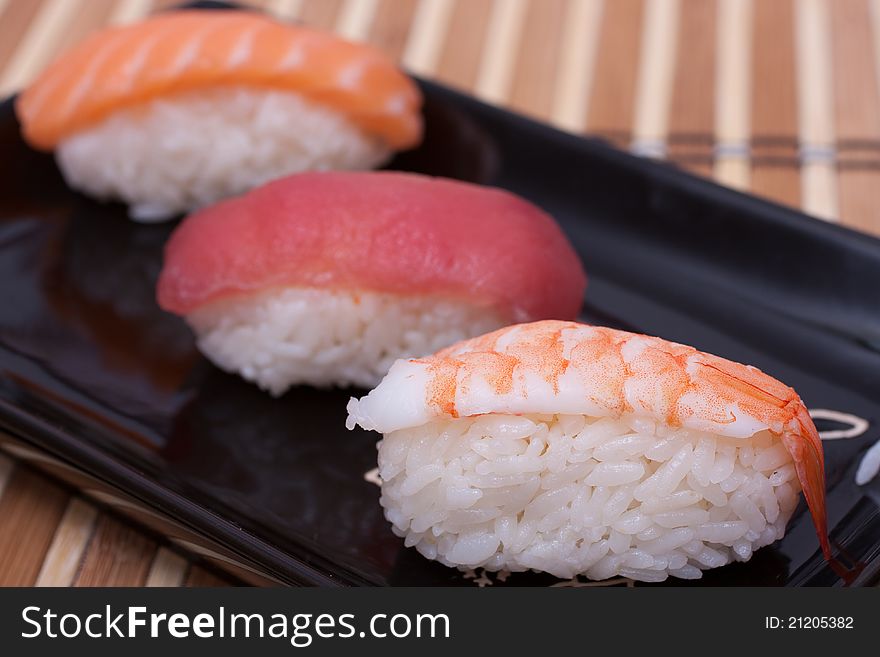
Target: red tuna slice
x,y
388,232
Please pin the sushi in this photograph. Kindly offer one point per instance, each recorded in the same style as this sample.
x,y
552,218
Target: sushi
x,y
188,107
579,450
328,278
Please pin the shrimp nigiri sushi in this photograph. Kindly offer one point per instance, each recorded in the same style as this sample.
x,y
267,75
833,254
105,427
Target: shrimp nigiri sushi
x,y
580,450
327,278
188,107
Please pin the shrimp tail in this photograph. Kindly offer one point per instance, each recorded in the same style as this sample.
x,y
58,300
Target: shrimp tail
x,y
803,443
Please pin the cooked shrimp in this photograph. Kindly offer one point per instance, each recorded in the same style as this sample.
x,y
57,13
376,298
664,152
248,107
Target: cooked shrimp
x,y
556,367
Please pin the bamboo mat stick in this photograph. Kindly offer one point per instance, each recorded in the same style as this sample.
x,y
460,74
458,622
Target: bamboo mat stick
x,y
775,172
692,110
6,467
655,77
68,545
611,110
499,53
167,569
537,59
285,8
856,113
427,34
121,556
355,19
198,576
128,11
574,79
321,14
732,92
875,32
30,510
813,65
391,26
815,109
33,54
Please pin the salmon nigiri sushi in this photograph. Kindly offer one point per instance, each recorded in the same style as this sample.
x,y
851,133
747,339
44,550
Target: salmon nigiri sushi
x,y
328,278
188,107
582,450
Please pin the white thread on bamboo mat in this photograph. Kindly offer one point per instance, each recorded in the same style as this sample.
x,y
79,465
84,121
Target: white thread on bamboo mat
x,y
285,8
356,18
7,465
68,545
656,74
498,59
426,36
815,98
577,64
32,53
733,92
168,569
129,11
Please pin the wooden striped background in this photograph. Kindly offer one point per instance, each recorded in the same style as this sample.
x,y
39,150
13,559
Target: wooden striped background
x,y
780,97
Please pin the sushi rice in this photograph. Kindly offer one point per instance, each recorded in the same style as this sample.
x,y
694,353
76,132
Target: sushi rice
x,y
574,494
285,336
584,450
178,153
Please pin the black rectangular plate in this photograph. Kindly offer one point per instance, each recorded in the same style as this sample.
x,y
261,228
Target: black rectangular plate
x,y
95,373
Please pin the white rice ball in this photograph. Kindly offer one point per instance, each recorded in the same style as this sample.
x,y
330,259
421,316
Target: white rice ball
x,y
577,495
175,154
287,336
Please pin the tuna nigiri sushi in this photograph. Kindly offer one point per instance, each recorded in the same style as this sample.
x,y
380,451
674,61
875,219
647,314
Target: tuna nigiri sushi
x,y
580,450
328,278
188,107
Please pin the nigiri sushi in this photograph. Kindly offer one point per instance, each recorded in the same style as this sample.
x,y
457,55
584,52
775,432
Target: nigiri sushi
x,y
327,278
580,450
188,107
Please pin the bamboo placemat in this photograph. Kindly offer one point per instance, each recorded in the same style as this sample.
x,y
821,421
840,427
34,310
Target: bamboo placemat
x,y
780,97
